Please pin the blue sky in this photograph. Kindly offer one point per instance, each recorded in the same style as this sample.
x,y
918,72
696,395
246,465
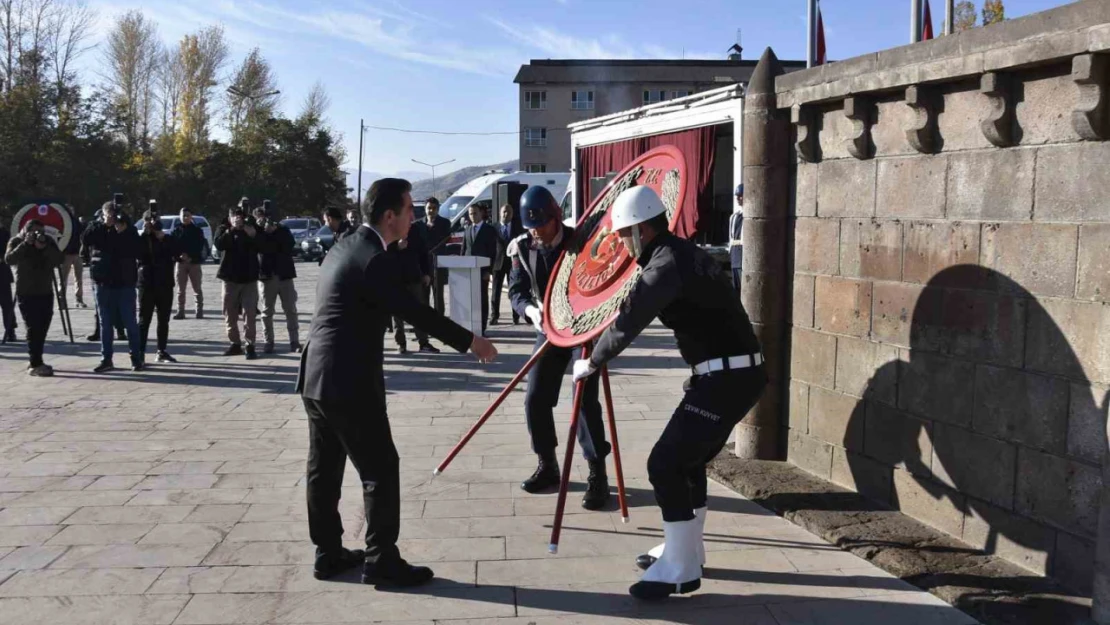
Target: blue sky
x,y
449,65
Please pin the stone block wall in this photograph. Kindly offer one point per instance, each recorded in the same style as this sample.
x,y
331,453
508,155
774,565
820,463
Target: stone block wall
x,y
949,352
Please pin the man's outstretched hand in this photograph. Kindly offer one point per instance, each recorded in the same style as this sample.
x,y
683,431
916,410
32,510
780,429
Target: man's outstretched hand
x,y
483,349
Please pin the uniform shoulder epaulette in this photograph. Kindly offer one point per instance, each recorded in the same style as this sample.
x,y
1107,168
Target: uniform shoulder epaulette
x,y
514,245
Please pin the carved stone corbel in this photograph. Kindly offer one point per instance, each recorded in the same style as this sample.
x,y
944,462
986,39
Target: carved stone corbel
x,y
1091,117
857,109
998,127
922,134
806,145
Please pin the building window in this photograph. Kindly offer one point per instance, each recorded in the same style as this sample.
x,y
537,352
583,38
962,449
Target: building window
x,y
535,100
679,94
535,168
582,100
535,137
651,96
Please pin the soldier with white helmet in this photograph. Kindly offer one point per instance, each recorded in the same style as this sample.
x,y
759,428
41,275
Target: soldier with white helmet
x,y
690,294
534,255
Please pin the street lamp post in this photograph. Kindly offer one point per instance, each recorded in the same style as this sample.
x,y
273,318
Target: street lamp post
x,y
361,132
434,189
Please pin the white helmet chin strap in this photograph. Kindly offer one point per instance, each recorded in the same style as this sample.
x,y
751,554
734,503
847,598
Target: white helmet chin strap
x,y
637,246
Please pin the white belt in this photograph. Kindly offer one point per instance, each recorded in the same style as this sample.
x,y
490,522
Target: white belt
x,y
728,364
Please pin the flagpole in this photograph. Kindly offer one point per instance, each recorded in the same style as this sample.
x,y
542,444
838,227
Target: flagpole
x,y
811,32
915,21
949,16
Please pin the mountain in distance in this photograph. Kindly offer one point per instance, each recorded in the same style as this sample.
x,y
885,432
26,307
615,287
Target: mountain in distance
x,y
422,188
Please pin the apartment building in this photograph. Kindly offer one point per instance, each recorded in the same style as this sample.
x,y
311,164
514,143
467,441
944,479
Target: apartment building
x,y
555,93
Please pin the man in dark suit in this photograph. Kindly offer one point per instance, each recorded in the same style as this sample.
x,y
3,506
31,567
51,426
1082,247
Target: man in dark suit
x,y
480,239
436,232
416,274
343,388
506,232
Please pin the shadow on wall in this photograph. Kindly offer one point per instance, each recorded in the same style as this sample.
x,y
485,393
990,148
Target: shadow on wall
x,y
979,415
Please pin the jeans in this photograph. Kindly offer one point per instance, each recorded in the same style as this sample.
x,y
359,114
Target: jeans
x,y
116,306
37,311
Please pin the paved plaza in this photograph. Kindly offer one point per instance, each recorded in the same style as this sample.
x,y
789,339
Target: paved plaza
x,y
176,496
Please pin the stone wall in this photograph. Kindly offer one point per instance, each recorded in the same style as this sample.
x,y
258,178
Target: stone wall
x,y
949,234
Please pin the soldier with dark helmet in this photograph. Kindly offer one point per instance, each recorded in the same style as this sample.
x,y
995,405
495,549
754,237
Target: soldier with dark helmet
x,y
534,255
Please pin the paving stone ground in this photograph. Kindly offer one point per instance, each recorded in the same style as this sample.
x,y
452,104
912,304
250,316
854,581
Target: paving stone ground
x,y
176,496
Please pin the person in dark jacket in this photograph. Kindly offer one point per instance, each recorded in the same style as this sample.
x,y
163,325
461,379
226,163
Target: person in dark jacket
x,y
436,232
416,275
34,254
86,258
480,239
190,243
276,271
687,291
503,264
7,306
238,245
114,249
72,261
157,254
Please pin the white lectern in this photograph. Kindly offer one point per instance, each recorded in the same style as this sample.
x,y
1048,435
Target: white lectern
x,y
465,282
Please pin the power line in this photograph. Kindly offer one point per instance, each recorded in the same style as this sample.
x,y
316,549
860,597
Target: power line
x,y
440,132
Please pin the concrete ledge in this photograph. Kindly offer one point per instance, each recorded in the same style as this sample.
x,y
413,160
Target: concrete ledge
x,y
990,589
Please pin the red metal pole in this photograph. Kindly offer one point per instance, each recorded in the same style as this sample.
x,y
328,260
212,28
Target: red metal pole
x,y
493,407
616,445
557,526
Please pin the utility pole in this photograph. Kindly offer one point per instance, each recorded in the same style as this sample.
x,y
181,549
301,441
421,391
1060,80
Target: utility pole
x,y
361,131
434,189
949,17
915,21
811,33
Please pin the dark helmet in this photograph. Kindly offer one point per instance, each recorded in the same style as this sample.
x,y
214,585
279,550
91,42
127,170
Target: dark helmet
x,y
538,206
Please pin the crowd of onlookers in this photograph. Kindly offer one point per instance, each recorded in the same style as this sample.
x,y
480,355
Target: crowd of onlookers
x,y
136,268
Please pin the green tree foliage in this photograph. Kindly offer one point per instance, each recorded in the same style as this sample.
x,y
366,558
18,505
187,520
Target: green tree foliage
x,y
64,136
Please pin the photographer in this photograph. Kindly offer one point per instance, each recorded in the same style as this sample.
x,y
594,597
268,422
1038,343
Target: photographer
x,y
114,249
238,245
157,253
276,271
190,243
35,255
7,306
87,258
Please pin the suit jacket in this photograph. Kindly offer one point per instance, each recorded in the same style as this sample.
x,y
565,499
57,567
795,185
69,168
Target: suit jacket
x,y
482,243
505,234
357,292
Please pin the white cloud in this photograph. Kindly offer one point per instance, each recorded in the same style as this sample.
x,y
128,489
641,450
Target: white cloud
x,y
558,45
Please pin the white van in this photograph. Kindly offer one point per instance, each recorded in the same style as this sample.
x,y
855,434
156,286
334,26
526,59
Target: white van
x,y
480,189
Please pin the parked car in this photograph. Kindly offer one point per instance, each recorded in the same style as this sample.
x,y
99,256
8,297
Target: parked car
x,y
315,247
170,223
302,229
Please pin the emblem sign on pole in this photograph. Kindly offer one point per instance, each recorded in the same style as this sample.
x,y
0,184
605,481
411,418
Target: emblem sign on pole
x,y
54,216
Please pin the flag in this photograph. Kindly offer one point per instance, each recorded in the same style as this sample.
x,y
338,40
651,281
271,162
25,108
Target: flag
x,y
927,24
821,58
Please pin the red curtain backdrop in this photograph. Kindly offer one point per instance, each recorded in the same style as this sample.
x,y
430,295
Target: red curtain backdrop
x,y
698,144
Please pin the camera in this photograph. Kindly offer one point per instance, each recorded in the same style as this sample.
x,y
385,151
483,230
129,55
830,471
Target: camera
x,y
153,210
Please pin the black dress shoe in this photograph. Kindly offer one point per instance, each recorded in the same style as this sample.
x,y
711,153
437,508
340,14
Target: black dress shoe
x,y
546,477
428,349
329,565
251,355
165,357
401,349
654,591
234,349
180,315
103,367
93,338
121,335
398,575
644,561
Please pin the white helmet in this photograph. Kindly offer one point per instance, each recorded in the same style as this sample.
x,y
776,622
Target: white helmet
x,y
635,206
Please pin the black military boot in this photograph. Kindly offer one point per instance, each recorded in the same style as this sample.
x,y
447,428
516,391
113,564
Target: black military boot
x,y
597,487
545,477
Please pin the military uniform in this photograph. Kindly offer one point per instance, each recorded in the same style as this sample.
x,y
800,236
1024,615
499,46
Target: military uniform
x,y
532,266
690,294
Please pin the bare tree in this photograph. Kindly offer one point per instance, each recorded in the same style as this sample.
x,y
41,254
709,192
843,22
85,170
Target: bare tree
x,y
132,56
252,96
170,84
66,44
316,105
